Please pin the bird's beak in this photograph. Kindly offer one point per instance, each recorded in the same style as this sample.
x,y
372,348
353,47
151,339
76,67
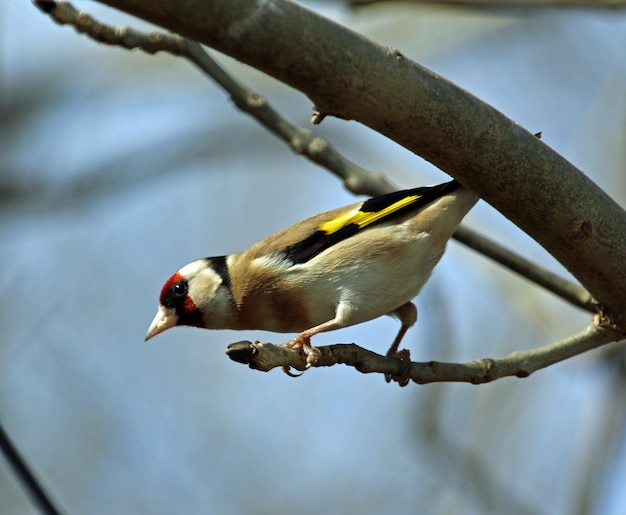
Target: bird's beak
x,y
164,319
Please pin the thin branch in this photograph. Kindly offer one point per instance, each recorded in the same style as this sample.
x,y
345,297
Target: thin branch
x,y
266,356
565,289
302,141
35,491
355,178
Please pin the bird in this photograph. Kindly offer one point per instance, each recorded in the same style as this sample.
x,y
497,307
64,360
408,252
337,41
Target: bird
x,y
332,270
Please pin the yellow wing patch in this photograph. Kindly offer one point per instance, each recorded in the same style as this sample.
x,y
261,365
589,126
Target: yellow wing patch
x,y
338,222
364,218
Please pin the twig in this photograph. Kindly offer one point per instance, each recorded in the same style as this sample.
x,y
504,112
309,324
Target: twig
x,y
302,141
356,179
35,491
266,356
565,289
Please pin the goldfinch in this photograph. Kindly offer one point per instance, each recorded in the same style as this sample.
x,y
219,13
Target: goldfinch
x,y
332,270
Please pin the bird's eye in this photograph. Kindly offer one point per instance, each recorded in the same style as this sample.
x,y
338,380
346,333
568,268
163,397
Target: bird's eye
x,y
175,294
180,289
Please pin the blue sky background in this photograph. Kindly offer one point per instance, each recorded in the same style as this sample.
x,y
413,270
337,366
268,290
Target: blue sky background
x,y
163,170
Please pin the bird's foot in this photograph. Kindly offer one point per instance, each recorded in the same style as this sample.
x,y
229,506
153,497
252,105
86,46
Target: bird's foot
x,y
312,353
287,370
403,378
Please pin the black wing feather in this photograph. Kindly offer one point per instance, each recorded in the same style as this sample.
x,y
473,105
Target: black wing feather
x,y
321,240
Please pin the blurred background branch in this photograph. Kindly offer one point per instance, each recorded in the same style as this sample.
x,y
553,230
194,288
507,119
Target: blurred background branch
x,y
31,484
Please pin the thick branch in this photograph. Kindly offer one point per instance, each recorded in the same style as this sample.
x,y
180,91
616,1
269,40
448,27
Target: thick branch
x,y
350,77
355,178
266,356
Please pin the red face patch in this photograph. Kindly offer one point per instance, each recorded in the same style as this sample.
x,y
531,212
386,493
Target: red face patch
x,y
170,282
174,295
190,315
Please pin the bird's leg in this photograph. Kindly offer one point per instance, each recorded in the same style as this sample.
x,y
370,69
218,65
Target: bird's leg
x,y
407,314
393,349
